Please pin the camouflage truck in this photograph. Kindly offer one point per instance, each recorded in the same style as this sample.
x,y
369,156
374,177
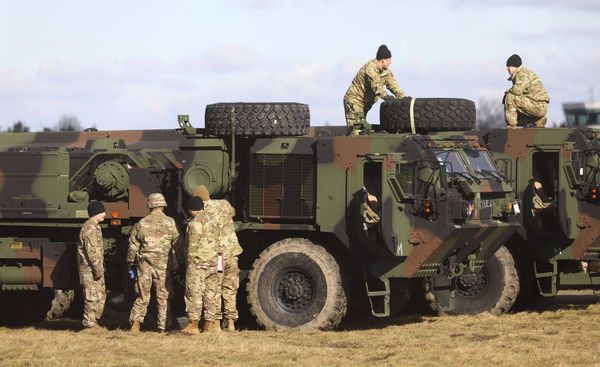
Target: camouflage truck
x,y
316,209
555,175
554,172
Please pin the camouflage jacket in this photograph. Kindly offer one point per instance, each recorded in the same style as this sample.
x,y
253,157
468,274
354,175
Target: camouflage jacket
x,y
90,248
527,83
370,83
202,239
152,239
223,213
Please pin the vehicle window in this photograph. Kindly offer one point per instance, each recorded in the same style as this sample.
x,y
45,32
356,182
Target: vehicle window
x,y
453,161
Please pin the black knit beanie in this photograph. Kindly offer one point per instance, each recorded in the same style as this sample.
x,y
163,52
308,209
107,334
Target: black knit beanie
x,y
195,203
383,53
94,208
514,60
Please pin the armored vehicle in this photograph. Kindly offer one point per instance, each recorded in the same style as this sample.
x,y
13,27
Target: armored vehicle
x,y
316,209
554,172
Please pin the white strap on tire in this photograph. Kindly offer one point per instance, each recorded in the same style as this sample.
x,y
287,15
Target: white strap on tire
x,y
412,115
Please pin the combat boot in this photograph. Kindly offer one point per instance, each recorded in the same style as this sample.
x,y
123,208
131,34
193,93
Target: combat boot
x,y
191,328
230,325
217,325
135,326
208,326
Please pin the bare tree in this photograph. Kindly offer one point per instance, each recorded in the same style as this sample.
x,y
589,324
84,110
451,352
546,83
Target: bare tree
x,y
68,123
490,114
18,127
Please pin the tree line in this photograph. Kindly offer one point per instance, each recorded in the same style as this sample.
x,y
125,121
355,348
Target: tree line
x,y
65,123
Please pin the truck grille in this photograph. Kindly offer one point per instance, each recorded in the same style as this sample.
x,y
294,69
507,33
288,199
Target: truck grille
x,y
282,186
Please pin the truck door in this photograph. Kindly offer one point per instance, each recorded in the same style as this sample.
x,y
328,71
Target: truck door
x,y
568,207
398,189
553,189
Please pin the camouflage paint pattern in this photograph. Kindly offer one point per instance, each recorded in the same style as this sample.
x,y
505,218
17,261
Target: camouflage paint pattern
x,y
153,239
229,279
91,270
202,239
366,88
565,161
526,98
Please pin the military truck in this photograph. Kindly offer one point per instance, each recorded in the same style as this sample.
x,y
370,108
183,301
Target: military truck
x,y
554,172
317,209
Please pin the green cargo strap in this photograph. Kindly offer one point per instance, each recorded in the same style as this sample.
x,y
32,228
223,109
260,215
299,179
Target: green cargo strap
x,y
412,115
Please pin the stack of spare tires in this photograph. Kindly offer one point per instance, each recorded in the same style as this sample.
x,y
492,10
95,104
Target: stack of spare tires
x,y
293,119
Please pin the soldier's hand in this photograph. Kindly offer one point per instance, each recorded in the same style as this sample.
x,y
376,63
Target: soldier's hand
x,y
388,98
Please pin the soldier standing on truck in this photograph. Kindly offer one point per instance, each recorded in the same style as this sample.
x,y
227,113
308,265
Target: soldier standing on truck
x,y
201,274
229,250
526,102
91,265
368,86
151,242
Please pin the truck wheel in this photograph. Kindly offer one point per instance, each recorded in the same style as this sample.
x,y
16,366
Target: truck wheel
x,y
430,114
260,119
493,289
295,284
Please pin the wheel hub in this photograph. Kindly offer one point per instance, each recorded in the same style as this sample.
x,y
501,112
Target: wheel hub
x,y
295,291
472,284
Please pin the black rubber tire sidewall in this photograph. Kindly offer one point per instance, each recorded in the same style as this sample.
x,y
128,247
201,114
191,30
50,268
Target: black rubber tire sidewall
x,y
328,304
498,295
258,119
430,114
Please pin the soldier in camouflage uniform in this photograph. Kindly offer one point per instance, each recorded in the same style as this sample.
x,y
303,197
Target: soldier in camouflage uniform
x,y
91,265
229,249
526,102
151,243
368,86
201,276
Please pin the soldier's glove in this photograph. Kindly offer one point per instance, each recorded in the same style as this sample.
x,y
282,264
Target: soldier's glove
x,y
504,98
388,98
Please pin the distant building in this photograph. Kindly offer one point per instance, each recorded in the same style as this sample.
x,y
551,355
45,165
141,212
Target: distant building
x,y
583,114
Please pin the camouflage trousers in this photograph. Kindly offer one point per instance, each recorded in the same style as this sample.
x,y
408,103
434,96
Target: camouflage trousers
x,y
94,296
163,287
201,291
522,110
227,287
355,111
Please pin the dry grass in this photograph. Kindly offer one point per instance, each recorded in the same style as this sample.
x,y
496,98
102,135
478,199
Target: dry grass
x,y
565,334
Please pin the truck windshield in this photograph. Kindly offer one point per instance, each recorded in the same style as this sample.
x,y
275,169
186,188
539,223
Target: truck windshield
x,y
480,162
453,160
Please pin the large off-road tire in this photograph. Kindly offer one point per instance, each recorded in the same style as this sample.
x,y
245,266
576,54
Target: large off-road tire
x,y
259,119
296,284
493,289
430,114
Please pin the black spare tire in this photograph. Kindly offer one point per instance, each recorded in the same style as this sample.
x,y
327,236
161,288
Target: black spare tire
x,y
260,119
430,114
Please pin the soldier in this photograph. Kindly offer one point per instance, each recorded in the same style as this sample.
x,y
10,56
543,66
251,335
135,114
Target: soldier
x,y
229,250
368,86
201,276
151,242
91,265
526,102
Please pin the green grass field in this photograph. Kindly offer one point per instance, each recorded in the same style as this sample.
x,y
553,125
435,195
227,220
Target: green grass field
x,y
564,333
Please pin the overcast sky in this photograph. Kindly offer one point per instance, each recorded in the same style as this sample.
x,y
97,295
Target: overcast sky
x,y
137,64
